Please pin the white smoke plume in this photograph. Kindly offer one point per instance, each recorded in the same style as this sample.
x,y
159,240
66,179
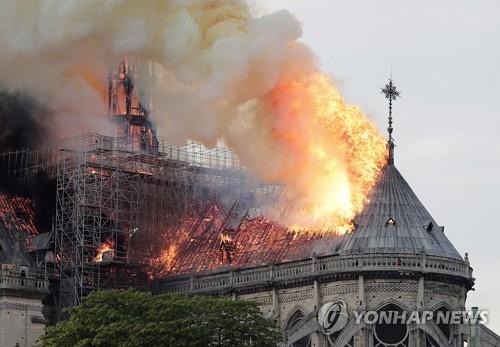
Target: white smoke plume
x,y
222,74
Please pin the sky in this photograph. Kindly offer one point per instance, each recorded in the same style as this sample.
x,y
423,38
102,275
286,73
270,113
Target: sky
x,y
445,58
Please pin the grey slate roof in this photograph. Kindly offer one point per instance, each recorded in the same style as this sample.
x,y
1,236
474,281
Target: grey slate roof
x,y
395,221
12,249
41,242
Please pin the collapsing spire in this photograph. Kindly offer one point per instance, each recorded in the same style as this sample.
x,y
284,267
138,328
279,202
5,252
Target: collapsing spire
x,y
391,93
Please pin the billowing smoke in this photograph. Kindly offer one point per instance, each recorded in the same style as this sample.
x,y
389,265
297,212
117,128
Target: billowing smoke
x,y
24,124
222,73
21,121
21,126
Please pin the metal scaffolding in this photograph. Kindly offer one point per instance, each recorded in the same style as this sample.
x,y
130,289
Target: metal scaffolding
x,y
96,202
116,193
109,192
26,163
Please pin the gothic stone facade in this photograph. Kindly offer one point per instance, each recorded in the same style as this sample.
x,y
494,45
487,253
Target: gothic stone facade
x,y
21,318
293,293
287,305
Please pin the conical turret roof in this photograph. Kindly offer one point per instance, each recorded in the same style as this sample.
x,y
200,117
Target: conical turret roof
x,y
395,221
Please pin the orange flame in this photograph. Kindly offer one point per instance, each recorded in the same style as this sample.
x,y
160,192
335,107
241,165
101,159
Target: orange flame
x,y
225,238
103,248
166,259
334,154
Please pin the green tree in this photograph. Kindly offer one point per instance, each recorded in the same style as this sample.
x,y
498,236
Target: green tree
x,y
128,318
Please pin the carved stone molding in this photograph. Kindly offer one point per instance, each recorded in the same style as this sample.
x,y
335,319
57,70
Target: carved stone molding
x,y
299,295
262,300
404,287
442,289
17,306
339,289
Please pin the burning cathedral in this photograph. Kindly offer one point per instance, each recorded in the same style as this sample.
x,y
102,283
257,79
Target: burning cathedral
x,y
135,211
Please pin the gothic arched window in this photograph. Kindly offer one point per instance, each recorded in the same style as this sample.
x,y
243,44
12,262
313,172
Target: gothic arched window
x,y
441,317
391,332
294,323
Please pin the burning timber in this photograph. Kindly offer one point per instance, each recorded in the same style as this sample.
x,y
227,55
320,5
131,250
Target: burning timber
x,y
17,215
120,208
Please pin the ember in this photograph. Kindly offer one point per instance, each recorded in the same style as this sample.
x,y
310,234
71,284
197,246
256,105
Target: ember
x,y
17,214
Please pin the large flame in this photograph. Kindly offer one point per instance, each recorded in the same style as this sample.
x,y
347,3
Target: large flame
x,y
334,154
221,72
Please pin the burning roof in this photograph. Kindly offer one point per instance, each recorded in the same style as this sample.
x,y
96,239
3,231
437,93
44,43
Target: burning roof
x,y
16,225
393,221
17,214
206,243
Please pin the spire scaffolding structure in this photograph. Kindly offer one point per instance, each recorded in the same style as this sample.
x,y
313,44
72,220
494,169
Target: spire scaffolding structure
x,y
391,93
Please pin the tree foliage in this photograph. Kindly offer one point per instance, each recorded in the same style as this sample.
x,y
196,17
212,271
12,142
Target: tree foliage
x,y
128,318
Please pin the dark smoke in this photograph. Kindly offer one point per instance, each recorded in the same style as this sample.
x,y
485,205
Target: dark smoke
x,y
23,125
44,201
22,121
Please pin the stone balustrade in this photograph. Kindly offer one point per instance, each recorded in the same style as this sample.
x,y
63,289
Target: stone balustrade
x,y
13,281
313,267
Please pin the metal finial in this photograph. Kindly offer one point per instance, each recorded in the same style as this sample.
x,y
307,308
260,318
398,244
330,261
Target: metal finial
x,y
391,93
